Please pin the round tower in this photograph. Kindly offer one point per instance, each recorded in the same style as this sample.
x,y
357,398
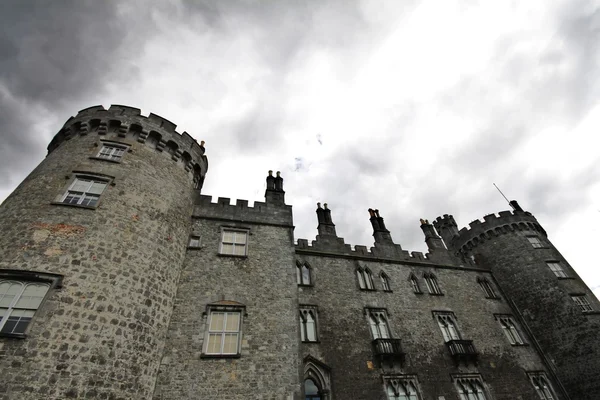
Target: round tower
x,y
91,250
555,305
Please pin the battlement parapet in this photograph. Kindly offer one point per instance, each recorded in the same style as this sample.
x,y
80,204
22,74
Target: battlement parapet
x,y
128,123
260,212
378,252
494,225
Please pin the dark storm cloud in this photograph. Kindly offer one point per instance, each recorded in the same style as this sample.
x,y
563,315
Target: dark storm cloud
x,y
52,53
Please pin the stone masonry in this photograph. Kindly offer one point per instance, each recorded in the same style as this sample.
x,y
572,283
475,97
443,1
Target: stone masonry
x,y
139,280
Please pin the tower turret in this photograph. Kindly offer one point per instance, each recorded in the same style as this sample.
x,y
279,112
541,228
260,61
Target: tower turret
x,y
539,281
97,234
447,228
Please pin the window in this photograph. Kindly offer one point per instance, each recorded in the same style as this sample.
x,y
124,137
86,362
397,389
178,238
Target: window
x,y
447,324
378,324
557,269
385,282
432,284
510,329
311,390
234,242
303,274
224,330
84,191
112,152
194,241
365,279
415,284
582,301
19,301
401,388
470,388
535,242
487,288
308,323
541,385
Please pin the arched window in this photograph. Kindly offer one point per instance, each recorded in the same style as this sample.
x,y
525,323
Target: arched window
x,y
311,390
385,282
510,329
308,324
317,380
303,274
368,279
470,389
415,284
487,288
432,284
542,387
378,324
448,327
361,278
401,389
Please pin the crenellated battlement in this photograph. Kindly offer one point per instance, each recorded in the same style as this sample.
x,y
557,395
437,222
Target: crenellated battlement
x,y
128,123
379,253
491,226
259,212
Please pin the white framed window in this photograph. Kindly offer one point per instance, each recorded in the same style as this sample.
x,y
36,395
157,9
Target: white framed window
x,y
432,283
378,323
487,288
470,388
85,191
19,300
447,323
112,151
303,274
414,282
582,301
535,242
542,385
401,388
557,269
194,241
365,278
234,242
224,332
385,282
308,323
510,329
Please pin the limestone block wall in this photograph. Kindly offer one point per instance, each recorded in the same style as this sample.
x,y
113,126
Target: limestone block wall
x,y
263,282
345,341
101,334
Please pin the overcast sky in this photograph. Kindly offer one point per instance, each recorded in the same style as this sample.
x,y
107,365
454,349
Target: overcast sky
x,y
412,107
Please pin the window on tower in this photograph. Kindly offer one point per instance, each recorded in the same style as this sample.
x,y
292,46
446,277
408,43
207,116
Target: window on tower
x,y
557,268
112,151
510,329
582,301
84,191
535,242
308,323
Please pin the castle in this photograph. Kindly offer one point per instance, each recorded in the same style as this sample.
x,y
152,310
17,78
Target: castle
x,y
119,280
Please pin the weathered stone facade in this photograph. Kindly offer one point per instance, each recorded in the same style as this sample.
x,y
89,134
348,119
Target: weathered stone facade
x,y
139,280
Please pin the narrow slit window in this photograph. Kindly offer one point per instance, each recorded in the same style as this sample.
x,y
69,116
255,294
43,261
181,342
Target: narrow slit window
x,y
385,282
308,324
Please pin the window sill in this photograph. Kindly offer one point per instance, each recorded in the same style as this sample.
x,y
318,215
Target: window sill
x,y
106,159
519,344
436,294
303,285
58,203
311,342
418,292
194,247
220,355
231,255
367,290
594,312
493,298
13,335
388,291
564,277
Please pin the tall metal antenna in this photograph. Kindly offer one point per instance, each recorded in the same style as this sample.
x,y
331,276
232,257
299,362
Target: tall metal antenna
x,y
501,193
